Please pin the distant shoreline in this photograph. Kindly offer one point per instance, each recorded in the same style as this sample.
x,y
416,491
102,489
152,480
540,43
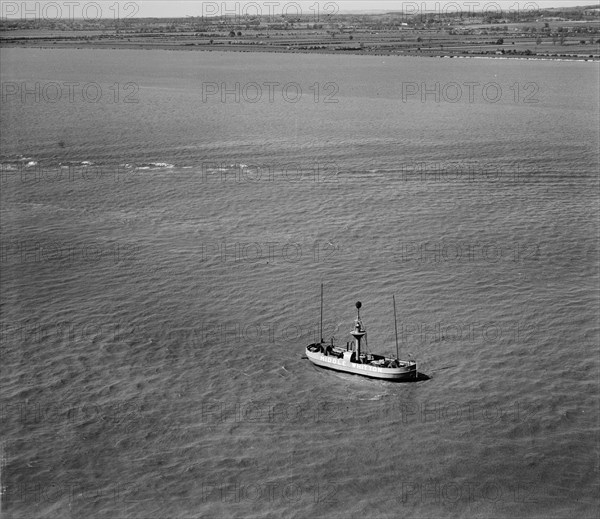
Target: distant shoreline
x,y
559,34
426,53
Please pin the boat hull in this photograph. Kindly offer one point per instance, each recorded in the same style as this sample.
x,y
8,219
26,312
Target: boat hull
x,y
407,372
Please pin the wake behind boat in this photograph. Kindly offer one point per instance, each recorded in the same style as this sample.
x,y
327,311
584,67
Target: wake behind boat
x,y
352,360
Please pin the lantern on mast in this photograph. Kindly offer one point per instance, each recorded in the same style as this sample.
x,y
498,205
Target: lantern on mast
x,y
359,331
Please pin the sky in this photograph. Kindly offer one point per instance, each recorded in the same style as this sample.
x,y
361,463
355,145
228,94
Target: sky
x,y
71,9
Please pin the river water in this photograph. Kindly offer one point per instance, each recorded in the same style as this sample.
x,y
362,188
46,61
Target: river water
x,y
167,220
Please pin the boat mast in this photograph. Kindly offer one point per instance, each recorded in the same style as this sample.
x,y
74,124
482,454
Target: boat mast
x,y
358,333
395,326
321,313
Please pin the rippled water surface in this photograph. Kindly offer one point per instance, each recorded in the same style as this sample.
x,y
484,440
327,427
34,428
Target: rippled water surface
x,y
161,265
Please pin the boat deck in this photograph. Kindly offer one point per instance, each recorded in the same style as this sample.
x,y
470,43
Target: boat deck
x,y
376,366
